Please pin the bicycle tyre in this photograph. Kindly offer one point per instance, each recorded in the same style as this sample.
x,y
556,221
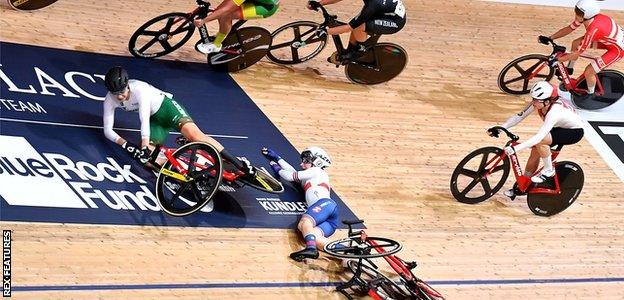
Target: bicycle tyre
x,y
381,63
295,58
571,180
162,36
503,84
236,55
263,181
477,177
210,179
353,247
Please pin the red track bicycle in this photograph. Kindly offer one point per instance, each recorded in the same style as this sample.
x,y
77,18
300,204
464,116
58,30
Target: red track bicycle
x,y
519,75
367,279
193,173
484,171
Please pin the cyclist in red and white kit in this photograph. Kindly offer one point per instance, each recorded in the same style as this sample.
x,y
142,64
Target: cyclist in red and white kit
x,y
321,218
562,126
601,32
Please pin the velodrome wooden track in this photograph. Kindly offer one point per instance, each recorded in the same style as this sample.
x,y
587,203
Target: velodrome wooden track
x,y
394,146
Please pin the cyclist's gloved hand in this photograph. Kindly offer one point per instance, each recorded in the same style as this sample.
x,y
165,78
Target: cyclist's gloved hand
x,y
139,154
270,154
143,155
493,132
552,61
509,150
321,31
276,168
544,39
314,5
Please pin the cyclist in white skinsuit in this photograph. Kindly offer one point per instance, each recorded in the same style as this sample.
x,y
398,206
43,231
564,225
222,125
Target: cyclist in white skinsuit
x,y
159,114
562,126
321,218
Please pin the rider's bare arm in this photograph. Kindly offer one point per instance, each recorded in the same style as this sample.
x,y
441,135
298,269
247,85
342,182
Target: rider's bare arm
x,y
144,116
517,118
562,32
326,2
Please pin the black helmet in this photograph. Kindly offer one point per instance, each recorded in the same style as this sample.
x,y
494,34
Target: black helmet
x,y
116,79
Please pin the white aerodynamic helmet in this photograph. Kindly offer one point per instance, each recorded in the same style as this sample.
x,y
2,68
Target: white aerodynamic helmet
x,y
589,8
316,156
544,90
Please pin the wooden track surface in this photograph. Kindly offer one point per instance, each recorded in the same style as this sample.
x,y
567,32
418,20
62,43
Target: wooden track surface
x,y
394,146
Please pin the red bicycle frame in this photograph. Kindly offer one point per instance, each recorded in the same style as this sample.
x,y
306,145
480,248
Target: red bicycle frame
x,y
569,83
168,152
524,182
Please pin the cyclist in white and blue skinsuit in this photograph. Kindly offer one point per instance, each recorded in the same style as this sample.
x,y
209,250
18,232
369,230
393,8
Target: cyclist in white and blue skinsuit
x,y
321,218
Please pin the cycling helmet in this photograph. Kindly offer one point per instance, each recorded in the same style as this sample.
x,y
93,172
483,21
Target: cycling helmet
x,y
588,8
543,91
316,156
116,79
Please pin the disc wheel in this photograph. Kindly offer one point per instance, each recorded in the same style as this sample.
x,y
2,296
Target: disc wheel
x,y
182,194
382,62
295,43
354,247
469,182
241,49
571,179
515,78
613,84
161,35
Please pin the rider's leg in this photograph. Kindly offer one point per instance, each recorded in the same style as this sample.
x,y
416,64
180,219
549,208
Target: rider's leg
x,y
318,223
310,235
532,163
225,13
543,148
225,8
194,134
590,77
575,44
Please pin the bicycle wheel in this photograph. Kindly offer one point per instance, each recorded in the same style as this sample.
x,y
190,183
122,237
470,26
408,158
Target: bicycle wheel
x,y
295,43
514,77
265,182
469,183
353,247
571,179
379,64
613,84
241,49
161,35
183,194
371,279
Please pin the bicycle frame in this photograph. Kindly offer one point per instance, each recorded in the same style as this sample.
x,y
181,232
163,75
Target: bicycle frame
x,y
402,268
524,182
168,152
569,83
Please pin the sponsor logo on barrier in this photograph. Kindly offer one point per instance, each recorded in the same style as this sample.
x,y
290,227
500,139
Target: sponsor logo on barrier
x,y
275,206
55,180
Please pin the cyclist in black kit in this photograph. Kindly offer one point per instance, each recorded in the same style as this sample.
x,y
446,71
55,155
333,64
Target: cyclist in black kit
x,y
376,17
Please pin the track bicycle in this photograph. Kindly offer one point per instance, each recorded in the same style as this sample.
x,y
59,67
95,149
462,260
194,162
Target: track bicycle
x,y
519,75
297,42
166,33
484,171
193,173
360,249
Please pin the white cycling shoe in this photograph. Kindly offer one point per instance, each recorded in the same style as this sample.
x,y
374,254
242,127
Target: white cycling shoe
x,y
207,48
543,176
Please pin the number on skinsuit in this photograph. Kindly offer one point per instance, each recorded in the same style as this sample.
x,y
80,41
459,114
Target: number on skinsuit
x,y
399,10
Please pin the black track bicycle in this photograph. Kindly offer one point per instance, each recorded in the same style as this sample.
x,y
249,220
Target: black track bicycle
x,y
297,42
166,33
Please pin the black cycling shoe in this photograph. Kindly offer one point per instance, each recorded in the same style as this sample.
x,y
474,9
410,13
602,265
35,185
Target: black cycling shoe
x,y
305,253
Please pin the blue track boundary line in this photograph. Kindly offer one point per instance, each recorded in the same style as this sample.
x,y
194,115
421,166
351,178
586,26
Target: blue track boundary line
x,y
43,288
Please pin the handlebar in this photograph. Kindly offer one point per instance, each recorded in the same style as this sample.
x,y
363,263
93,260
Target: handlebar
x,y
328,18
511,136
549,41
